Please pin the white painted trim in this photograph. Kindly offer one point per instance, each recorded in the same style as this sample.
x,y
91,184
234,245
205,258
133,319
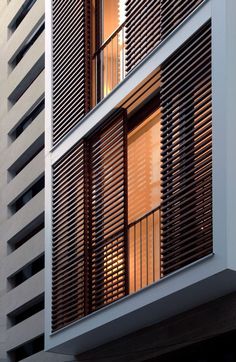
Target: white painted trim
x,y
48,168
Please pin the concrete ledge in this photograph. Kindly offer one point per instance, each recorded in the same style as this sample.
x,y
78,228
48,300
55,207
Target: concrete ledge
x,y
25,254
28,329
25,29
22,294
23,217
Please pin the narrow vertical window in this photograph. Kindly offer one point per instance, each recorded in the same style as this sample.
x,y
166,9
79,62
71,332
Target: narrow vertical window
x,y
109,46
144,201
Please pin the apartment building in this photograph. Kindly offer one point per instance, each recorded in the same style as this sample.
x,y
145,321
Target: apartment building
x,y
22,182
140,180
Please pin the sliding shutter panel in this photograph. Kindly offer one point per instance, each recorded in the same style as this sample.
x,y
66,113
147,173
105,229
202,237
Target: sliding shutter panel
x,y
142,29
187,153
69,238
108,207
71,64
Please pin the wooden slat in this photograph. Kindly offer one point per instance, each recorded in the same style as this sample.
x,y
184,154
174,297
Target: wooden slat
x,y
186,218
71,64
151,21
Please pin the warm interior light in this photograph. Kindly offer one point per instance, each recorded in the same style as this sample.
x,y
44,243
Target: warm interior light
x,y
144,196
113,53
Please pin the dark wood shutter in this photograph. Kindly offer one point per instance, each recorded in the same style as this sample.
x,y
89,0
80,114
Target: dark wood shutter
x,y
69,238
187,153
150,21
108,208
142,29
173,12
89,266
71,64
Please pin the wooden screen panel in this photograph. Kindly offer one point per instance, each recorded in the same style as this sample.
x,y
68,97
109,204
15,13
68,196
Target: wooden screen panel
x,y
71,64
173,12
148,22
108,213
69,239
187,153
142,29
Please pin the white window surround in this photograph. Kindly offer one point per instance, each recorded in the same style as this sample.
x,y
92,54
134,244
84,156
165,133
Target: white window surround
x,y
201,281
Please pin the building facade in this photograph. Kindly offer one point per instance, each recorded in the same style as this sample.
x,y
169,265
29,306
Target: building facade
x,y
139,176
22,182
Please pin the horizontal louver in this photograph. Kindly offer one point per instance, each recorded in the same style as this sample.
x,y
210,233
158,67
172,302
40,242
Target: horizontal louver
x,y
187,153
173,12
68,262
142,29
90,225
108,214
71,64
150,21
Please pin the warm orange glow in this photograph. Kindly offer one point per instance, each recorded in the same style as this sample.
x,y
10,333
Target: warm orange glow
x,y
113,62
113,272
113,16
144,167
144,196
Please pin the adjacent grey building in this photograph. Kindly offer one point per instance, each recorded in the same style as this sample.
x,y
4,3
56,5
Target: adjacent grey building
x,y
22,182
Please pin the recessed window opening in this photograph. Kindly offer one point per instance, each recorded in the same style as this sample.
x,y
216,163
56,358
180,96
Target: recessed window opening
x,y
27,272
144,197
27,120
109,46
26,233
27,349
29,155
27,196
27,45
21,15
26,311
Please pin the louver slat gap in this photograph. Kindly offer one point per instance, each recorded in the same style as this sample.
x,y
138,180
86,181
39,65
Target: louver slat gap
x,y
71,64
108,233
150,22
186,213
69,249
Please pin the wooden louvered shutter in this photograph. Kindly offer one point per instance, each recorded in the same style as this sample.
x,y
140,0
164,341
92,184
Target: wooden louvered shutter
x,y
142,29
108,213
71,64
69,238
187,153
173,12
150,21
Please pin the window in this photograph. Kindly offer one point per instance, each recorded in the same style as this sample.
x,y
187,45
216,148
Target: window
x,y
27,120
109,49
26,272
144,198
27,196
114,240
21,15
27,349
27,45
26,311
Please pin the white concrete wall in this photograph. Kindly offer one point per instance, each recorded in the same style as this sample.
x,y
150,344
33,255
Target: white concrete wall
x,y
27,76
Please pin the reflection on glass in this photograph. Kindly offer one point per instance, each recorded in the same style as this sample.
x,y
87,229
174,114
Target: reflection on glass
x,y
143,197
